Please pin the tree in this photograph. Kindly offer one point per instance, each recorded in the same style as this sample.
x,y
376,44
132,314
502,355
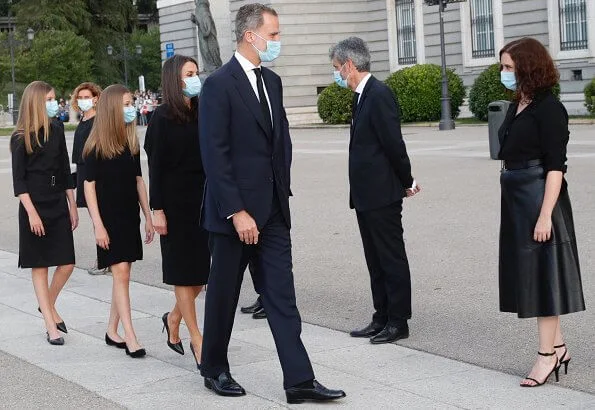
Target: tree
x,y
149,62
40,15
60,58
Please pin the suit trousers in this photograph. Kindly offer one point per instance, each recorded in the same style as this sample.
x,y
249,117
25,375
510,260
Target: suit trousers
x,y
382,237
273,280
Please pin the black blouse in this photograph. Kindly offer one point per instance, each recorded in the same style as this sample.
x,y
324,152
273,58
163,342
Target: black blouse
x,y
540,131
176,174
81,134
47,168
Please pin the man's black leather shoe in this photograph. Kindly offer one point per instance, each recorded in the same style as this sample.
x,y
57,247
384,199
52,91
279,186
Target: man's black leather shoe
x,y
224,385
371,330
252,308
391,333
259,314
297,395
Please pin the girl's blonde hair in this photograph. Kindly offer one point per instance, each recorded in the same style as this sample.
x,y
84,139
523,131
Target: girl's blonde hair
x,y
33,115
110,135
95,91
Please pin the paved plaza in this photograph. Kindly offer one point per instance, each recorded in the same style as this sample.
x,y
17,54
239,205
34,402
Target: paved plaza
x,y
462,352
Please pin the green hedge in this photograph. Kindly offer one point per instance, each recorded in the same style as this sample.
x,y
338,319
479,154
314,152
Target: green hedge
x,y
419,89
590,96
334,105
487,88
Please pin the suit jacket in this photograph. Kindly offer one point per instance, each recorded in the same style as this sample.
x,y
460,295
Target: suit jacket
x,y
243,161
379,167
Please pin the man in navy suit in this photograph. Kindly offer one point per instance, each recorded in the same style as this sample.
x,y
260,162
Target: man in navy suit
x,y
246,152
379,179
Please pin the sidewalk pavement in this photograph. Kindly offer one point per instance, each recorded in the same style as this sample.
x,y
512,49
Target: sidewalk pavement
x,y
383,376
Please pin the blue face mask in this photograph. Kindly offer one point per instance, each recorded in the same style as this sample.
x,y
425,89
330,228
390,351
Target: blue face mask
x,y
85,105
340,81
508,78
52,108
272,52
129,114
193,86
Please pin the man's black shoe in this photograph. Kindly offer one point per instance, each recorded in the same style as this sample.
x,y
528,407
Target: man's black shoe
x,y
224,385
371,330
391,333
252,308
259,314
297,395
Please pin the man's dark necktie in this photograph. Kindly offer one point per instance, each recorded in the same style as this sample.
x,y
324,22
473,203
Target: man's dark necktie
x,y
264,105
354,106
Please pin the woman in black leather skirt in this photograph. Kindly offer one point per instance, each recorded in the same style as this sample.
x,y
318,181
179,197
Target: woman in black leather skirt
x,y
539,265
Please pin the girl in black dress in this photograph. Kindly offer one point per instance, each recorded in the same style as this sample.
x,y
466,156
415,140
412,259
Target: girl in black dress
x,y
539,267
114,187
176,185
84,100
47,210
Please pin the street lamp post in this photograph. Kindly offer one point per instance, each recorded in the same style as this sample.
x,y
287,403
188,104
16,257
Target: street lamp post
x,y
446,121
125,55
12,42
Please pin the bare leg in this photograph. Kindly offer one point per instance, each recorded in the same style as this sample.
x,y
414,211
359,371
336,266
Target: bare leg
x,y
40,285
558,341
185,302
121,296
173,321
112,324
543,366
61,276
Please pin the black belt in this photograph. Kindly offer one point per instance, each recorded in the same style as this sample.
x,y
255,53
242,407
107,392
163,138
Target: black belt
x,y
45,181
512,165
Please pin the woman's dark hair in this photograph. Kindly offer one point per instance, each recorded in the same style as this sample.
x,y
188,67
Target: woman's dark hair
x,y
534,68
171,85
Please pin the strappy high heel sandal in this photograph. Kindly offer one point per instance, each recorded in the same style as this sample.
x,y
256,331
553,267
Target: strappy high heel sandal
x,y
555,370
561,360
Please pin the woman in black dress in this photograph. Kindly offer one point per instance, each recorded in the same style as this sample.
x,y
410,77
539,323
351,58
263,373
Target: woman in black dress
x,y
84,100
47,211
176,185
114,187
539,266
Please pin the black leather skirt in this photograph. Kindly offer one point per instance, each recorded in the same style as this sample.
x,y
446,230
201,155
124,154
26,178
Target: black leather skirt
x,y
536,279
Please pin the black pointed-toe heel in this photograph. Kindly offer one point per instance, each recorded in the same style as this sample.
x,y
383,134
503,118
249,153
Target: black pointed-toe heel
x,y
176,347
61,326
137,354
110,342
55,342
194,355
561,360
555,370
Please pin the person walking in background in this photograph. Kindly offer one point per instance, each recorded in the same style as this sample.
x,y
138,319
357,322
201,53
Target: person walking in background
x,y
47,209
539,264
84,100
114,187
176,186
379,178
244,139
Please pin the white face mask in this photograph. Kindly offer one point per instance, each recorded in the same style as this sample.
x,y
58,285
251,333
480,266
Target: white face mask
x,y
85,105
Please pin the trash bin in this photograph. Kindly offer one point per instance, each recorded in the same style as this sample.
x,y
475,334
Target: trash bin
x,y
496,114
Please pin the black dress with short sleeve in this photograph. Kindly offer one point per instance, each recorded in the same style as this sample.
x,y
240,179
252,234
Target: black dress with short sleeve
x,y
117,199
81,135
176,186
45,176
536,279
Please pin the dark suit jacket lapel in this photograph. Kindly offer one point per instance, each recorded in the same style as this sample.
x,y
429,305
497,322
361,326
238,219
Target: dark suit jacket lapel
x,y
247,93
363,97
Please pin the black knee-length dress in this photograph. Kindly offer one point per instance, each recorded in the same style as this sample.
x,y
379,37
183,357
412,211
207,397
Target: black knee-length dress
x,y
81,134
536,279
176,186
117,199
45,176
